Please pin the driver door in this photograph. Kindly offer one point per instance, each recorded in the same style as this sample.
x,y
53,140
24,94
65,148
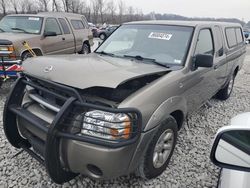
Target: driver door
x,y
53,44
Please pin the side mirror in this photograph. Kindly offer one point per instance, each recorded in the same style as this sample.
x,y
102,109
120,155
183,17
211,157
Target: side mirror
x,y
49,34
203,60
246,35
231,148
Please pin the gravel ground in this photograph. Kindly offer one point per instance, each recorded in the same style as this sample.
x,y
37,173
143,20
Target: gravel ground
x,y
190,165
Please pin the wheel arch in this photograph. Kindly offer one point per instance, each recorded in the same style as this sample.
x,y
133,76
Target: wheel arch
x,y
37,51
175,106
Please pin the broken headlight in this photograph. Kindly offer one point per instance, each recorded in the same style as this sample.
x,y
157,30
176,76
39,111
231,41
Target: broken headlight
x,y
107,125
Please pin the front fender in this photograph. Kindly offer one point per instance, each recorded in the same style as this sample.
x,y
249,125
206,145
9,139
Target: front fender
x,y
166,108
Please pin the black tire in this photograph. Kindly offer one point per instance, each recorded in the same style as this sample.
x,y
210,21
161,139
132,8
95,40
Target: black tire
x,y
85,49
1,82
102,36
147,169
26,55
225,92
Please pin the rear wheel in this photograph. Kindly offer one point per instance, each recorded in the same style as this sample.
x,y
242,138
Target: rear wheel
x,y
160,150
225,92
85,49
1,82
102,36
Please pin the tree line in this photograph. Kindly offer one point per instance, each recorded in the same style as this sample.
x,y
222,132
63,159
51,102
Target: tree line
x,y
96,11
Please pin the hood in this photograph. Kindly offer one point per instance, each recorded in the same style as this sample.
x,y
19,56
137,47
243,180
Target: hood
x,y
13,37
85,71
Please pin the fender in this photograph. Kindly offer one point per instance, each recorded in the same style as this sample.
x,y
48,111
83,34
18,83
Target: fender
x,y
166,108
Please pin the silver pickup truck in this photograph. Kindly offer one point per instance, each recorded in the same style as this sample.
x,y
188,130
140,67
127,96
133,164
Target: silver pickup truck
x,y
121,111
45,33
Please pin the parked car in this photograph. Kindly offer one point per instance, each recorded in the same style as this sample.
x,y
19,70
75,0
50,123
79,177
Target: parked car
x,y
121,110
104,33
46,33
231,151
247,36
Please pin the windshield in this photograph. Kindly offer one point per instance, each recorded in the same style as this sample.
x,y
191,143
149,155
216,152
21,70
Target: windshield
x,y
24,24
165,44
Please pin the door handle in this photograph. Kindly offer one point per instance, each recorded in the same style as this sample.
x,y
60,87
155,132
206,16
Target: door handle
x,y
63,38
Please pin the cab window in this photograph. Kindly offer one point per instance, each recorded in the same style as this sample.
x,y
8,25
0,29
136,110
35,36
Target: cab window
x,y
77,24
51,25
64,25
205,43
219,41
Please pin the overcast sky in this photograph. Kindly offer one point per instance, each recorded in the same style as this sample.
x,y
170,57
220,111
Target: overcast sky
x,y
196,8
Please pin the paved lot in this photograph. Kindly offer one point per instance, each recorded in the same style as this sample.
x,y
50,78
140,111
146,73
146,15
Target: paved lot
x,y
189,167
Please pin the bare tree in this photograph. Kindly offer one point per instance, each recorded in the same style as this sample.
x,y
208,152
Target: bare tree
x,y
121,8
66,5
14,4
111,9
3,4
44,5
55,6
95,11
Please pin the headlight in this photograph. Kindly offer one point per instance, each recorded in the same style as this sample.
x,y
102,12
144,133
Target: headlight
x,y
106,125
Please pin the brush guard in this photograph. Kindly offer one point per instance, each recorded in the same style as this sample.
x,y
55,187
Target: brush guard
x,y
55,131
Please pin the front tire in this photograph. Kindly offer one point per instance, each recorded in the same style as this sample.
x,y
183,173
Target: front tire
x,y
26,55
102,36
159,150
225,92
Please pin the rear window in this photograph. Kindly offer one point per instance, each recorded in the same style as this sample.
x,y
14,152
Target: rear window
x,y
77,24
239,35
231,37
64,25
234,36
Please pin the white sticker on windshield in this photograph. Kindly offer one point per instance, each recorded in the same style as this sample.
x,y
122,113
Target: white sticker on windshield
x,y
177,61
162,36
34,18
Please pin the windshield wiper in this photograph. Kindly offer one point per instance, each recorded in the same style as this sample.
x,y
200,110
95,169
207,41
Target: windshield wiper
x,y
151,60
105,53
19,29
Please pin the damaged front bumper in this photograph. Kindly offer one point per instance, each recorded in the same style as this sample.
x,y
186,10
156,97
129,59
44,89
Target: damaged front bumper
x,y
45,128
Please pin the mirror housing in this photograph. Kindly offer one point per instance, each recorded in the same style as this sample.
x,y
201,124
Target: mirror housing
x,y
246,35
49,34
203,60
231,148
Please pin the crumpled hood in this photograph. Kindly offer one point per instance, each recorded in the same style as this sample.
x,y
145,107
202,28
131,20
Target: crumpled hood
x,y
13,37
85,71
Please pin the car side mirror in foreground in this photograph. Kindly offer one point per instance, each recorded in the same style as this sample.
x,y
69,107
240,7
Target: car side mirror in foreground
x,y
231,148
203,60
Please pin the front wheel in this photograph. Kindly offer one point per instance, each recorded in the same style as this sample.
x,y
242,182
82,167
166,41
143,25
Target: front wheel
x,y
159,150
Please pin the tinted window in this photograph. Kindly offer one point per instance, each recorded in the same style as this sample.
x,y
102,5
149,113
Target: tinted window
x,y
231,37
205,43
51,25
77,24
64,25
219,41
239,35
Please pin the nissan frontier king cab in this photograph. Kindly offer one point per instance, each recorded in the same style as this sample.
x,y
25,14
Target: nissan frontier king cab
x,y
121,111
